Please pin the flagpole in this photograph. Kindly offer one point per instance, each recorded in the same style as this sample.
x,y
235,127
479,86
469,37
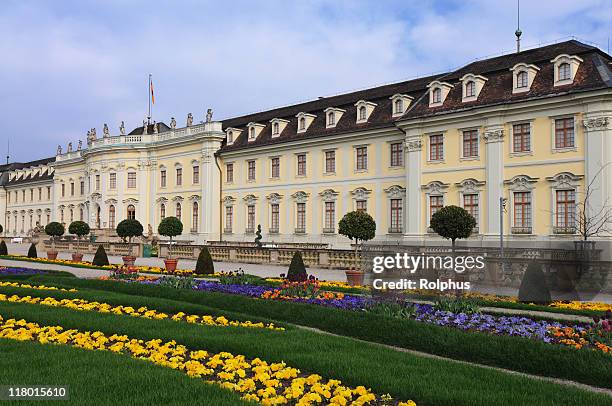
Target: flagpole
x,y
149,90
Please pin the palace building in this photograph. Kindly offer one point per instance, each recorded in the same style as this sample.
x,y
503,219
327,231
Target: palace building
x,y
533,127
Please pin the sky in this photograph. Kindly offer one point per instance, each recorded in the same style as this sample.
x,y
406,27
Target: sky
x,y
68,66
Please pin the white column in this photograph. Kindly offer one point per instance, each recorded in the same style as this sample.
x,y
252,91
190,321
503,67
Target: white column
x,y
598,161
413,204
120,210
494,140
55,197
210,199
152,193
142,179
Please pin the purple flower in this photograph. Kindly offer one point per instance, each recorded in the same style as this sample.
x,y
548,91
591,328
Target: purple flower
x,y
20,271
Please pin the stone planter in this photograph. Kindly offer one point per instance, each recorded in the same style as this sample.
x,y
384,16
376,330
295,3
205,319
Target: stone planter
x,y
52,255
355,278
170,265
77,257
128,260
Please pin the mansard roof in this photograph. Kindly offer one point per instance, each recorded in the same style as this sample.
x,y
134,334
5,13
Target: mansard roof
x,y
161,128
5,169
593,73
38,177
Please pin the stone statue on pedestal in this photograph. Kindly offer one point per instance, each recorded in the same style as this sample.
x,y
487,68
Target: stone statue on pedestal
x,y
59,150
80,146
122,128
105,131
172,123
189,120
69,147
145,127
93,134
209,114
155,127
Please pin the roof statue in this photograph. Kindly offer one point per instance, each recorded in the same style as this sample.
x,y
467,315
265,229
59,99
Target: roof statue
x,y
209,114
145,127
122,128
105,131
93,133
189,120
173,123
89,137
80,146
69,147
59,150
155,127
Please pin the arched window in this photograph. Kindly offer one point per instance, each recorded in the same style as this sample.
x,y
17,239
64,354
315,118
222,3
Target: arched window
x,y
470,89
564,71
162,211
331,118
71,215
275,129
178,211
252,133
436,95
111,216
230,137
302,123
521,79
399,106
195,217
81,214
362,113
131,212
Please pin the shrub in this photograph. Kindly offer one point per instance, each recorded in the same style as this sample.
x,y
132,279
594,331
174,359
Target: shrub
x,y
78,228
170,227
1,229
358,226
297,270
394,309
453,222
258,236
100,258
205,265
32,251
533,286
3,249
129,229
54,229
177,282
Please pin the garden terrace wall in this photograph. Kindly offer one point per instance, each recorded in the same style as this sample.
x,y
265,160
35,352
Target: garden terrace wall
x,y
111,248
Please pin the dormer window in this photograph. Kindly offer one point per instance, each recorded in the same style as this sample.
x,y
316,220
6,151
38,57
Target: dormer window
x,y
364,110
566,67
436,96
304,121
231,135
399,104
470,89
438,92
278,126
254,129
472,86
564,71
522,77
332,116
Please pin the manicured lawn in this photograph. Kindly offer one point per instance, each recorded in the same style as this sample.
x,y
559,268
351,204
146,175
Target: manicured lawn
x,y
513,353
404,376
103,378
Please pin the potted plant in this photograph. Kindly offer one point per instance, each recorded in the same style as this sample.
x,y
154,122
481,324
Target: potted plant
x,y
170,227
128,229
358,226
80,229
54,229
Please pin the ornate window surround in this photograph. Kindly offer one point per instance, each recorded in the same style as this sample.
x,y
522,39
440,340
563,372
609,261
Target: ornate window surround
x,y
531,70
573,61
479,82
471,186
562,181
521,183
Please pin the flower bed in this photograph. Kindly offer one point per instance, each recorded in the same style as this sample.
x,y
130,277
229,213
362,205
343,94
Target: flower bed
x,y
10,271
255,380
85,305
36,287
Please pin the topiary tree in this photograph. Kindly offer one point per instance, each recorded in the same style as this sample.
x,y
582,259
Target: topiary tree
x,y
297,270
78,228
205,264
32,253
453,222
258,236
54,229
100,258
533,287
3,249
358,226
128,229
170,227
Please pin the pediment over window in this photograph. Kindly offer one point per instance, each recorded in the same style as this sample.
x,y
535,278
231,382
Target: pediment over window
x,y
303,121
274,198
396,192
161,200
470,185
399,104
300,197
360,193
228,201
521,183
522,77
438,92
435,187
364,110
278,125
332,116
250,199
231,134
177,199
253,130
329,195
565,180
565,68
471,86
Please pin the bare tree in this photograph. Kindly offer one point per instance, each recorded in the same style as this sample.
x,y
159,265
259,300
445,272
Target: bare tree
x,y
590,222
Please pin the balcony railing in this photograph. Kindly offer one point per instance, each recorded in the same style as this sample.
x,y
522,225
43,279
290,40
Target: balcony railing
x,y
564,230
521,230
300,231
329,231
395,230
